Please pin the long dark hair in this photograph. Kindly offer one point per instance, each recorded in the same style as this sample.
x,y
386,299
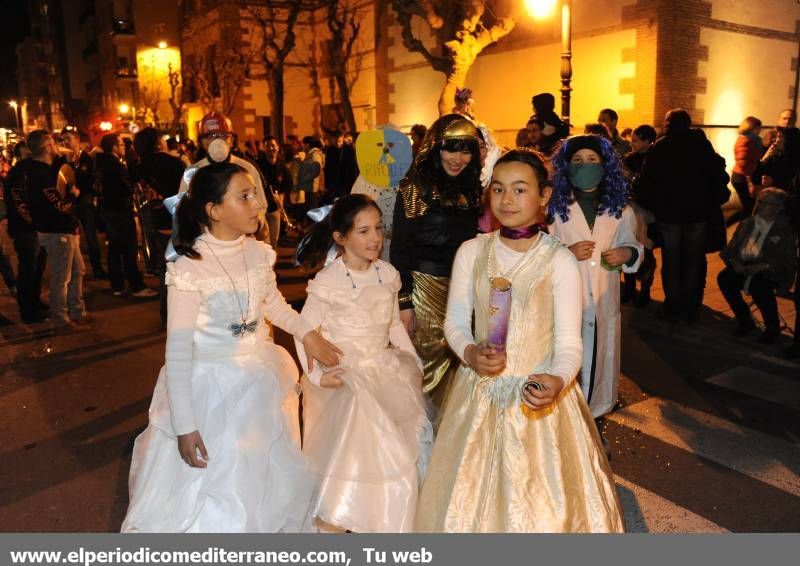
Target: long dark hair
x,y
340,219
208,185
466,183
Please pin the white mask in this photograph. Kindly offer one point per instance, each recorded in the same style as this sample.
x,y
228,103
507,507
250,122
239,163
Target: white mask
x,y
218,150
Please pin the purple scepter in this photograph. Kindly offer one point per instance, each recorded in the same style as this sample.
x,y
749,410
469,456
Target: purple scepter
x,y
499,311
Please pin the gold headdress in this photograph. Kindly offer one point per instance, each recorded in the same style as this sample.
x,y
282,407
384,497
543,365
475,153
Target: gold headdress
x,y
448,127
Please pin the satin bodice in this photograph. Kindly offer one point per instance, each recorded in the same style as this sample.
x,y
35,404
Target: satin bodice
x,y
529,345
359,319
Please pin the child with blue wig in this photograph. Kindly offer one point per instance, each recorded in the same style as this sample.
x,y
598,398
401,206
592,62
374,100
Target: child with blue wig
x,y
588,212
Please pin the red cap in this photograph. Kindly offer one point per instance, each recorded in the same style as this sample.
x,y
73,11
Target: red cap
x,y
214,122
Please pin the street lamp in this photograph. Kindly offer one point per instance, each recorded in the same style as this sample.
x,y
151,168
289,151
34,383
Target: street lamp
x,y
13,104
124,108
162,44
539,9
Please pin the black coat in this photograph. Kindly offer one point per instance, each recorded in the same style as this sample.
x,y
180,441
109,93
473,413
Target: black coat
x,y
683,179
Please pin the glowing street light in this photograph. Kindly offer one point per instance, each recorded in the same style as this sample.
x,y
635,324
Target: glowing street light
x,y
162,44
539,9
124,108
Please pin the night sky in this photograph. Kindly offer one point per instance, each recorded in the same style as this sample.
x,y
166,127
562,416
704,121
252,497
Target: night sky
x,y
15,28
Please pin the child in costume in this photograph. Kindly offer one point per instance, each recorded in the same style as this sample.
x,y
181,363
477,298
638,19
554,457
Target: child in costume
x,y
366,433
590,215
517,450
221,452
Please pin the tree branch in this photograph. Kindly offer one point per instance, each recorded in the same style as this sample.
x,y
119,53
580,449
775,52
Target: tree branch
x,y
405,10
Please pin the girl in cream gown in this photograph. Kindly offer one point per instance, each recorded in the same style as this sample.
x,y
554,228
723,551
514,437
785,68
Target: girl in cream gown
x,y
367,441
498,465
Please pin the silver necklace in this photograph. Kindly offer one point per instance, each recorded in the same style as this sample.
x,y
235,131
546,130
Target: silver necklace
x,y
352,282
510,273
238,330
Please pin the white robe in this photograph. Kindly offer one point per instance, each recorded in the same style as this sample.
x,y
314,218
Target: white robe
x,y
600,300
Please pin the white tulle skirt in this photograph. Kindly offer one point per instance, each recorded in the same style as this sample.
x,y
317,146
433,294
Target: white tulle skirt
x,y
368,444
246,409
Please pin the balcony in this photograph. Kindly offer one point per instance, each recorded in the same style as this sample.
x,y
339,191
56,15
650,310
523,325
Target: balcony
x,y
122,26
127,73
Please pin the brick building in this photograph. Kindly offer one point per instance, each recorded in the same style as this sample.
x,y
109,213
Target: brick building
x,y
720,59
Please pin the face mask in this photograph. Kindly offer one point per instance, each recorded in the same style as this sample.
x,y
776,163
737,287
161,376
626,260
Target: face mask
x,y
586,175
219,150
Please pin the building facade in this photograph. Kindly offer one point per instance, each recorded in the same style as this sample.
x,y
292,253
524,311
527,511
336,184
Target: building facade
x,y
722,60
218,31
43,84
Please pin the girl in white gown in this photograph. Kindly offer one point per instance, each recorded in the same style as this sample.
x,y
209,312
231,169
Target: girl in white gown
x,y
221,452
366,433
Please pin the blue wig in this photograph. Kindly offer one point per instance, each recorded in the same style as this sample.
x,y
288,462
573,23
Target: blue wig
x,y
613,187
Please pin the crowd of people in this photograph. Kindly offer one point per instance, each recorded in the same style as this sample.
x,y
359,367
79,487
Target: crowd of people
x,y
495,307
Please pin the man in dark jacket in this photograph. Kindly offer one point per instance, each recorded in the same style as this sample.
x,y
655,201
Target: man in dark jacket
x,y
53,209
161,174
278,184
683,182
83,164
760,259
116,208
31,257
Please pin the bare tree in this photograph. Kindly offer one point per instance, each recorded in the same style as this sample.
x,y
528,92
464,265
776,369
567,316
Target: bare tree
x,y
463,28
149,100
311,61
344,22
231,70
273,40
176,98
194,75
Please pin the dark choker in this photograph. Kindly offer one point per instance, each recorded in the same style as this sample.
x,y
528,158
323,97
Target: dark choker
x,y
520,233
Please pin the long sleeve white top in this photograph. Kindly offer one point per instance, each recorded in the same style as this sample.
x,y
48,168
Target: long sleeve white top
x,y
202,306
566,285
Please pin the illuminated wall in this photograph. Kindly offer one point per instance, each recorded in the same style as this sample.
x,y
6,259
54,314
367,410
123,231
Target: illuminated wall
x,y
153,64
527,62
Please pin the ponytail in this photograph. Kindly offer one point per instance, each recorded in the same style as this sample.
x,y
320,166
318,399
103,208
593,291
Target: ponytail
x,y
313,249
315,245
209,185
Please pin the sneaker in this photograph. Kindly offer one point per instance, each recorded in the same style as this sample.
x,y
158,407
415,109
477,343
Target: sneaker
x,y
145,293
70,328
85,320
